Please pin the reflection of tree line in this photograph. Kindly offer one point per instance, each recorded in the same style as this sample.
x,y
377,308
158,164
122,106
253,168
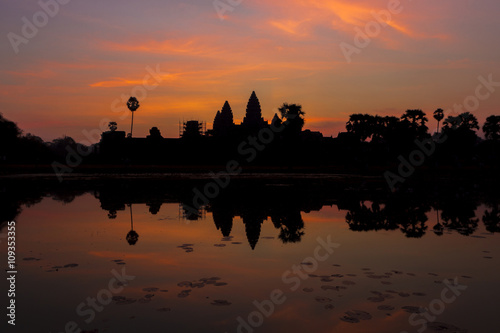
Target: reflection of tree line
x,y
411,217
456,208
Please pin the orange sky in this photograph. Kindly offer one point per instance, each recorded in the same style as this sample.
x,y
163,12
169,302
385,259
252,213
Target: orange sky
x,y
80,66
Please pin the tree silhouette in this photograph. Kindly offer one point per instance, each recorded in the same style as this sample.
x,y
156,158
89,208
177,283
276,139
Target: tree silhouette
x,y
416,119
377,124
293,116
469,121
360,125
133,105
9,136
155,133
460,147
438,115
491,128
415,116
61,145
465,121
8,130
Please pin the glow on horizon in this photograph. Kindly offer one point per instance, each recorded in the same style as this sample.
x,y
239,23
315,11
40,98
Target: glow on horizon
x,y
66,79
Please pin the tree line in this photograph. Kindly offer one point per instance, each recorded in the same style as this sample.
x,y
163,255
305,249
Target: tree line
x,y
413,123
369,140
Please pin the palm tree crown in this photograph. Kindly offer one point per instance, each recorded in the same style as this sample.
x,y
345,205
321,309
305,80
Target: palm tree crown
x,y
438,115
133,105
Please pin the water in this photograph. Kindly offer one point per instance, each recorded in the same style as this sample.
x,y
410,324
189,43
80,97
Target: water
x,y
263,256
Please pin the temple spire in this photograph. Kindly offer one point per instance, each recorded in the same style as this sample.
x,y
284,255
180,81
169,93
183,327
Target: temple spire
x,y
223,122
253,118
227,115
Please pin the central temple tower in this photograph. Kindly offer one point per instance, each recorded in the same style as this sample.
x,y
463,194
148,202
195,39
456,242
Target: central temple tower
x,y
253,119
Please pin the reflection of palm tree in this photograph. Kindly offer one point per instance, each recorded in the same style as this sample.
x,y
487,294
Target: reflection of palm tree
x,y
438,228
132,236
133,105
112,214
362,218
438,115
491,220
460,216
291,226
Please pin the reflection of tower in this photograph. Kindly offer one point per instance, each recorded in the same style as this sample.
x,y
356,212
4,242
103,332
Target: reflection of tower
x,y
132,236
189,213
253,225
154,207
253,118
223,220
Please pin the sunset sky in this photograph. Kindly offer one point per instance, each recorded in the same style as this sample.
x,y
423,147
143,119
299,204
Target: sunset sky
x,y
79,69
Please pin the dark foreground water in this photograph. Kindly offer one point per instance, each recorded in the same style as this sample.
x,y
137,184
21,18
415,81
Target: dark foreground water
x,y
263,255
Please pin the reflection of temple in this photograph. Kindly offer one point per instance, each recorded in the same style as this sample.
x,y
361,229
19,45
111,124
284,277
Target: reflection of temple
x,y
253,224
284,209
255,201
277,205
223,220
287,218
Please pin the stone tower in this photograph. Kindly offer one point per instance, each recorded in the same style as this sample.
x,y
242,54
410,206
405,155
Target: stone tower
x,y
253,118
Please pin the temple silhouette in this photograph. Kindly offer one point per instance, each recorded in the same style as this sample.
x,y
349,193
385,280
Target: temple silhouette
x,y
196,144
253,121
370,145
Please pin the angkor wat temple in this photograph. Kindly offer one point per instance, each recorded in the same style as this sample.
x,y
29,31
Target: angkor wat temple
x,y
197,146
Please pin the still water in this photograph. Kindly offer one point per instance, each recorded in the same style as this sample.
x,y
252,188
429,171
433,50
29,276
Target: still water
x,y
268,257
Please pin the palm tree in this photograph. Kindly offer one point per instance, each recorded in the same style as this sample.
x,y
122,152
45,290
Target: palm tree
x,y
361,125
133,105
415,120
415,116
469,121
293,116
438,115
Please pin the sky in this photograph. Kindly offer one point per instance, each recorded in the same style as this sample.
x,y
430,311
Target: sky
x,y
71,71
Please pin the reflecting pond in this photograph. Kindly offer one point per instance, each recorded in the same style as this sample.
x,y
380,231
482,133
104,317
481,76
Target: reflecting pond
x,y
275,254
